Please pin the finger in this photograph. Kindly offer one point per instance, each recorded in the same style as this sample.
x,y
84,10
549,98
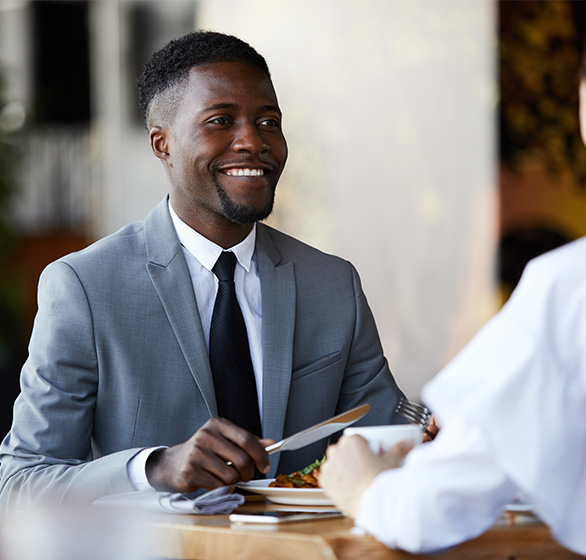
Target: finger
x,y
265,442
182,468
404,447
239,447
253,447
209,480
347,452
433,421
393,458
357,441
209,467
331,450
354,444
226,461
428,435
431,431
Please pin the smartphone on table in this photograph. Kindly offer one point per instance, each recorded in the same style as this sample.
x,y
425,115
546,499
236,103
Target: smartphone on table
x,y
283,516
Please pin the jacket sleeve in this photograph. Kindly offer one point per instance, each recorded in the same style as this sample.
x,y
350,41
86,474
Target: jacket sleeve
x,y
48,452
368,377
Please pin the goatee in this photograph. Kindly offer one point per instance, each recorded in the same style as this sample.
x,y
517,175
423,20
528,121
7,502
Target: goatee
x,y
240,214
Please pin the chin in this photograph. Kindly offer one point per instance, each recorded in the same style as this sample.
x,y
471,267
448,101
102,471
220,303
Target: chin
x,y
246,213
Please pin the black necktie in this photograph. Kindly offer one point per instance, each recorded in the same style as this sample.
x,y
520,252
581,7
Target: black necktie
x,y
232,371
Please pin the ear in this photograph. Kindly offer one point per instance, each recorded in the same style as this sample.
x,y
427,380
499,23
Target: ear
x,y
160,139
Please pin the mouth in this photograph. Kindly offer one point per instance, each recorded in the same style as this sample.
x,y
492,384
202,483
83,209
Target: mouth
x,y
246,189
243,172
245,169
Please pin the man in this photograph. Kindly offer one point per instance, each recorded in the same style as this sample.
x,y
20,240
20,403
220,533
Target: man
x,y
119,392
511,406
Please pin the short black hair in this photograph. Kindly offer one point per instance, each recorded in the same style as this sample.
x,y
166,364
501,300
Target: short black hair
x,y
170,65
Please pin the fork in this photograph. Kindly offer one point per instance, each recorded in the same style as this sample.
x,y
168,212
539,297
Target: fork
x,y
415,413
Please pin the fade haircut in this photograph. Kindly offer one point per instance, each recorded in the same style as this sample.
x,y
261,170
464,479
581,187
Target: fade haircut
x,y
164,77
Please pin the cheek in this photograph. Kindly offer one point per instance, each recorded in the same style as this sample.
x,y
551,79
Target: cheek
x,y
191,164
282,151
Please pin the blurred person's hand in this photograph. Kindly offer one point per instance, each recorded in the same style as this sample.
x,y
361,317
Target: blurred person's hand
x,y
433,428
351,466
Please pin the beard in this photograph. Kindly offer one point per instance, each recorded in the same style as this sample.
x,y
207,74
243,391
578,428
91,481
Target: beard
x,y
241,214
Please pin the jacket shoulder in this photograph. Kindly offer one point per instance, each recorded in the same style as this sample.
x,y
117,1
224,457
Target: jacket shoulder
x,y
292,249
129,237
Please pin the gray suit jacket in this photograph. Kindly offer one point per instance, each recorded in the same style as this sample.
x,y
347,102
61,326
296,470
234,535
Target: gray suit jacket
x,y
118,360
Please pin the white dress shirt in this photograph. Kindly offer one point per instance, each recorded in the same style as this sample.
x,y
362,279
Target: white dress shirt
x,y
201,255
511,408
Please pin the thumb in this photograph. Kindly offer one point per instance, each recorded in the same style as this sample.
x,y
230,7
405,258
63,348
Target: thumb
x,y
403,447
393,458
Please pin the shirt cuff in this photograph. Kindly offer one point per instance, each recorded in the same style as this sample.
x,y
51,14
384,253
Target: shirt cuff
x,y
368,517
136,469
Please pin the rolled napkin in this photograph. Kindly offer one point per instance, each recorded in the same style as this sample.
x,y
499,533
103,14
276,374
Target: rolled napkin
x,y
219,500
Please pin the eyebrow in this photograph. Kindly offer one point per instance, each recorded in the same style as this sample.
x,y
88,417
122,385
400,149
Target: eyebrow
x,y
274,108
234,106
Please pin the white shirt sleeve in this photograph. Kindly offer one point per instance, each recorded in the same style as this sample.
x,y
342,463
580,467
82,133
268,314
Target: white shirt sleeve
x,y
447,491
523,380
511,406
136,469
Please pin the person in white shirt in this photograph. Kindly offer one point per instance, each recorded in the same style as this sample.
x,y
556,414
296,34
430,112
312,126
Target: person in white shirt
x,y
511,410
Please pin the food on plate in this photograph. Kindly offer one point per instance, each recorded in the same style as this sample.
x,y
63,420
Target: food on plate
x,y
306,478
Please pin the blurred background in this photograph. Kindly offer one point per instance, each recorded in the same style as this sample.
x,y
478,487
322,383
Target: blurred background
x,y
433,143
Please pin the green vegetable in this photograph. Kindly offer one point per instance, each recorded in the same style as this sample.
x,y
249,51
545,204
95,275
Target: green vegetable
x,y
315,465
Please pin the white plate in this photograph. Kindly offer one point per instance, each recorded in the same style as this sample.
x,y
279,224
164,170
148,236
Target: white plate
x,y
517,507
290,496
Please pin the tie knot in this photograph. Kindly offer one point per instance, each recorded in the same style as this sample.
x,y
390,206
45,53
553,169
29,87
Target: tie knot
x,y
224,267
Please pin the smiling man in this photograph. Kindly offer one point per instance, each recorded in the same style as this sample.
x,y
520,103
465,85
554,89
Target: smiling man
x,y
169,354
223,150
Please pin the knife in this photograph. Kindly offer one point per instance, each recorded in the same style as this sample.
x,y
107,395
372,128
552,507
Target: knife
x,y
319,431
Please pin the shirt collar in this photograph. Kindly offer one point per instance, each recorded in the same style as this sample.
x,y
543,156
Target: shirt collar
x,y
206,251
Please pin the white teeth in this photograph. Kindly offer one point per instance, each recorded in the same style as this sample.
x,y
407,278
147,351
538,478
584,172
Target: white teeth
x,y
245,172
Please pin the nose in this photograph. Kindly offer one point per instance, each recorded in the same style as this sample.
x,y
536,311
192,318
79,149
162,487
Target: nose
x,y
249,139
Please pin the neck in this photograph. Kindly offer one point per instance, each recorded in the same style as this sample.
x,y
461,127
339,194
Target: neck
x,y
217,229
227,238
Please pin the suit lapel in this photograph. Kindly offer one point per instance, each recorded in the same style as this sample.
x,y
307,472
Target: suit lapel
x,y
172,281
277,281
170,276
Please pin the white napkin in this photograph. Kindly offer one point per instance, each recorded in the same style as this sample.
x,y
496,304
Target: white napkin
x,y
219,500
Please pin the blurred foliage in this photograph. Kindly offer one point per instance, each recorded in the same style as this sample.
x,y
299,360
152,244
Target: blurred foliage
x,y
12,315
539,52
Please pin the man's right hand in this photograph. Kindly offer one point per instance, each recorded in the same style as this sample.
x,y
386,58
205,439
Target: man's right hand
x,y
218,454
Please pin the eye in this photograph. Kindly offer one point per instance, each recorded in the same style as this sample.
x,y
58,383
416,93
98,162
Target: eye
x,y
270,123
222,121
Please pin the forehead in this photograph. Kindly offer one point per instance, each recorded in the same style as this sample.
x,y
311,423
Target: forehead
x,y
234,83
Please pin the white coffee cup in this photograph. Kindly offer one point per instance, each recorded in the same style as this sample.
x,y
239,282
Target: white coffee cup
x,y
382,438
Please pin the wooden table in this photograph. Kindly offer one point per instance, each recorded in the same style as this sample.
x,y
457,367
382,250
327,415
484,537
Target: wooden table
x,y
213,537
